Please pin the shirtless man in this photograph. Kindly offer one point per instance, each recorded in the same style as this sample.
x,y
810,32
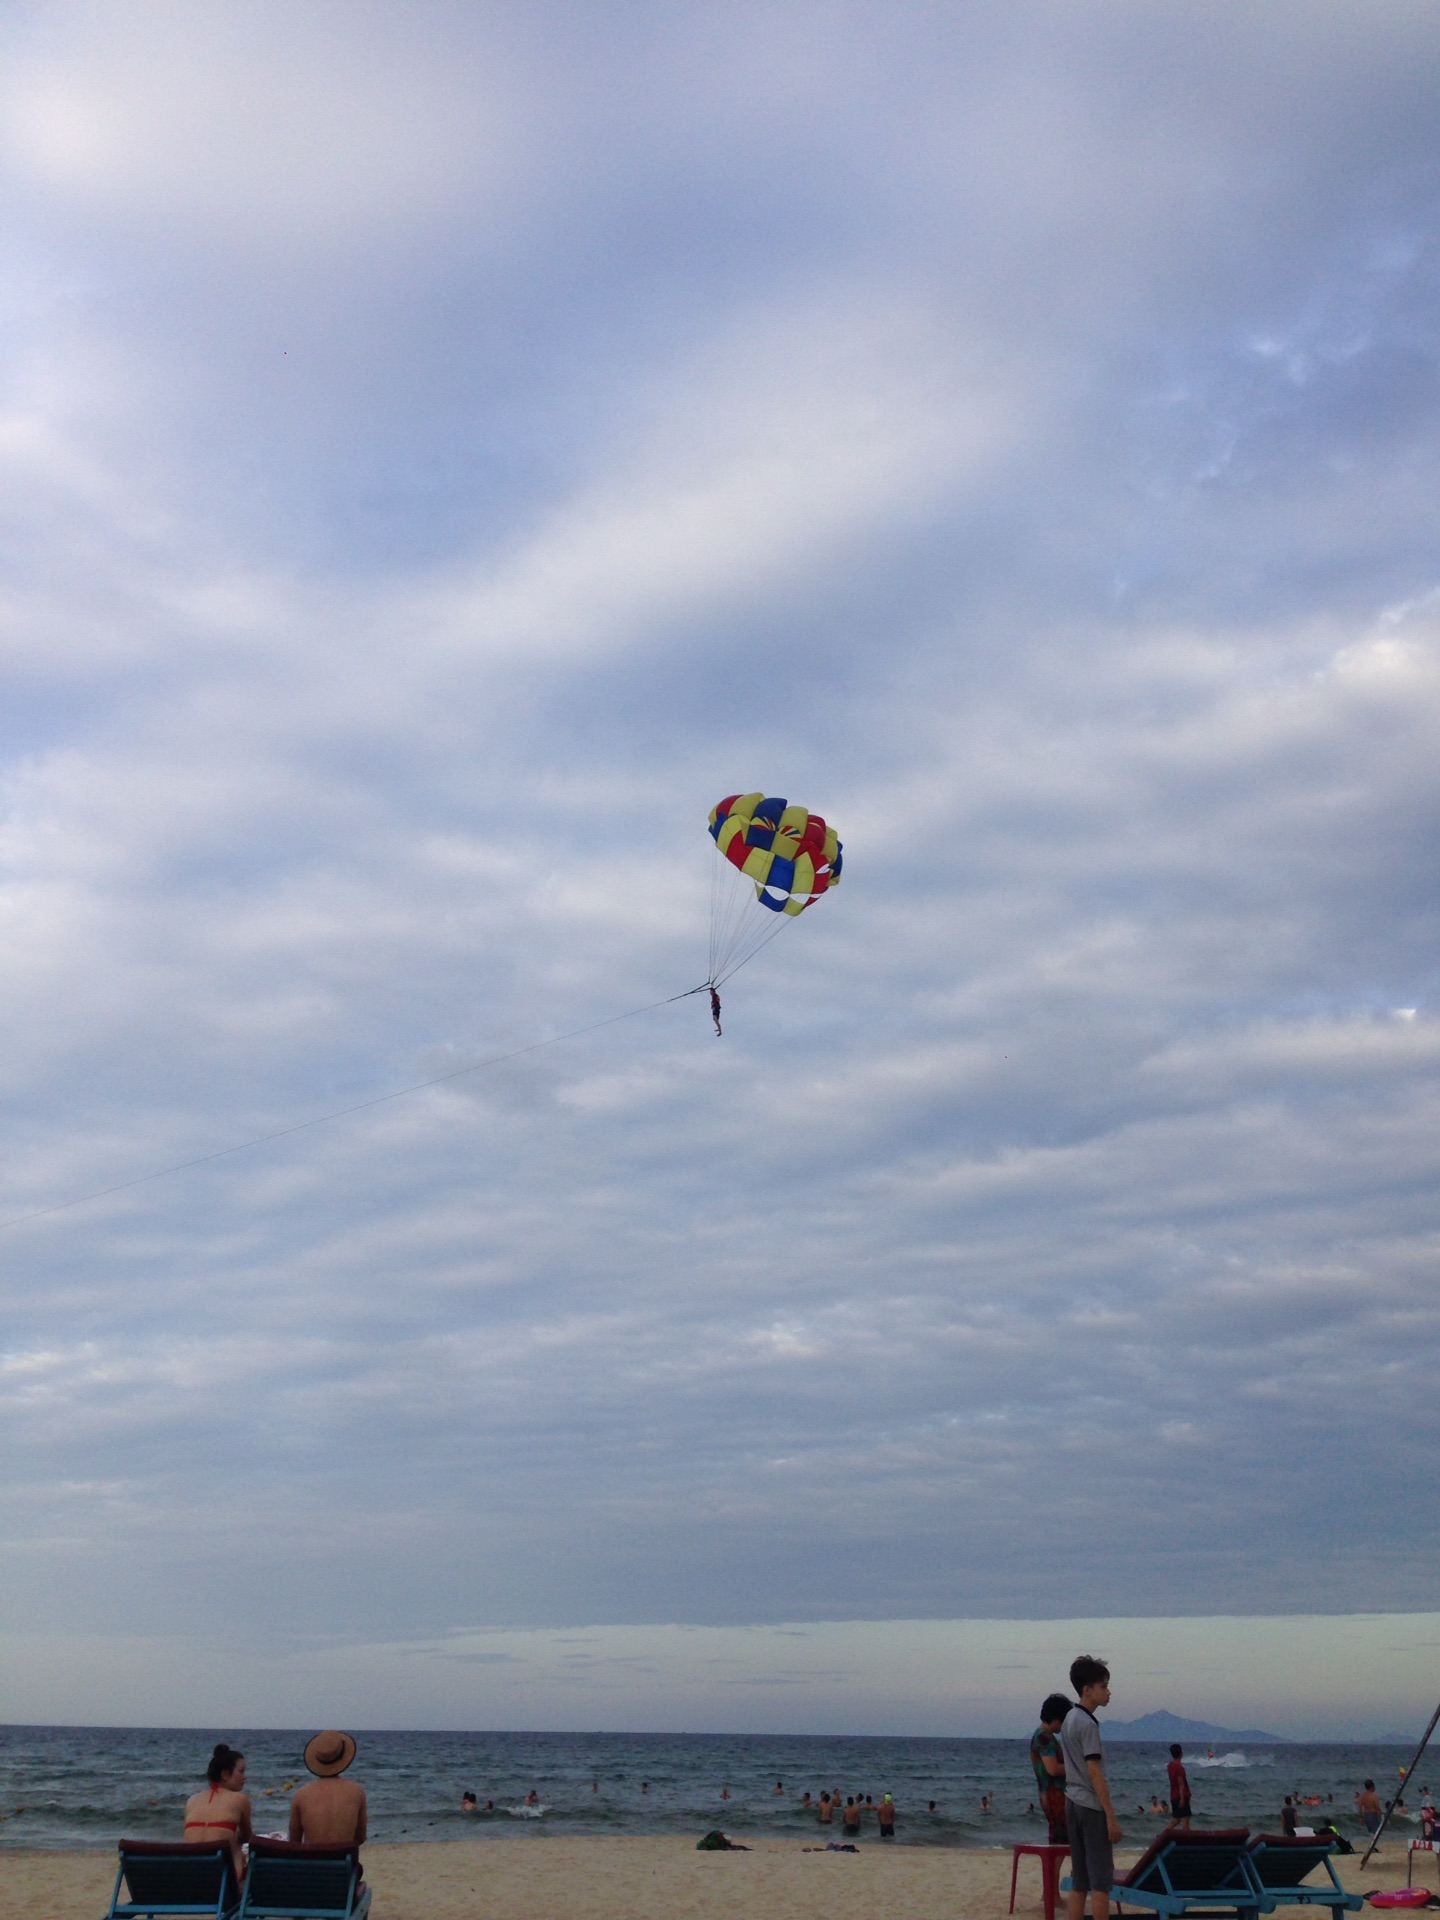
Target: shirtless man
x,y
329,1811
1368,1806
220,1813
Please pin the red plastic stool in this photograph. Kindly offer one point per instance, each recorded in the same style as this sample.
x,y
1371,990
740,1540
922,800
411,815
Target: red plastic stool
x,y
1050,1858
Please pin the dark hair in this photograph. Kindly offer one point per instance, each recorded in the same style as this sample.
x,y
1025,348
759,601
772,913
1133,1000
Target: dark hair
x,y
1370,1786
221,1762
1087,1671
1176,1751
1056,1706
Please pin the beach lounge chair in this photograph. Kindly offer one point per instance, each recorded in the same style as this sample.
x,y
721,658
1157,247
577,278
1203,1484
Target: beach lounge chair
x,y
1281,1867
291,1880
173,1877
1187,1872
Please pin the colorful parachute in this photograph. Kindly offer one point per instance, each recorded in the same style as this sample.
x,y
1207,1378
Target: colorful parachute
x,y
784,859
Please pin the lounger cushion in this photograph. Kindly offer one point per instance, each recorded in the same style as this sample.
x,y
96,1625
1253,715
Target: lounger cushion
x,y
177,1849
1182,1837
302,1850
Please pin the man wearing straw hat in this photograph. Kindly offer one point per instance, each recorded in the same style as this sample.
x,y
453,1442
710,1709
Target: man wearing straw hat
x,y
329,1811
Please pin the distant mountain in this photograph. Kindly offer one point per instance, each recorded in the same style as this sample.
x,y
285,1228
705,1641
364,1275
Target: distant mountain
x,y
1169,1726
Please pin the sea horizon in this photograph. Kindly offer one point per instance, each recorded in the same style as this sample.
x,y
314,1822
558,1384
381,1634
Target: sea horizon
x,y
67,1787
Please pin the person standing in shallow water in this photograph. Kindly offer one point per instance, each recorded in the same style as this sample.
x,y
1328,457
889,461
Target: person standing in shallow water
x,y
1179,1786
1367,1805
220,1813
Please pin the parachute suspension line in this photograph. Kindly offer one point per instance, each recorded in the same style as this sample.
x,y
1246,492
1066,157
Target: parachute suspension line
x,y
722,903
730,893
740,924
341,1113
783,920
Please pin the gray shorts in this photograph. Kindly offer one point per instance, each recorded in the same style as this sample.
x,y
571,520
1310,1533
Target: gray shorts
x,y
1092,1858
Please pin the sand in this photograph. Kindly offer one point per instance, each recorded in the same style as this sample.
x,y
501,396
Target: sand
x,y
644,1879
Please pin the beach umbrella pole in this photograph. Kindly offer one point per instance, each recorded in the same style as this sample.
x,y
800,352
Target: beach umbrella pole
x,y
1408,1775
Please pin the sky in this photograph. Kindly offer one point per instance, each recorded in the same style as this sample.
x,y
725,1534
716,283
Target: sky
x,y
445,450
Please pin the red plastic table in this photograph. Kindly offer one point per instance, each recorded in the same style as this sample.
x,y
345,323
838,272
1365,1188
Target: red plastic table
x,y
1050,1858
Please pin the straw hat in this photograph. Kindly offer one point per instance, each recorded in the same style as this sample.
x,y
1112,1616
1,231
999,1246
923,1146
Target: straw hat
x,y
329,1754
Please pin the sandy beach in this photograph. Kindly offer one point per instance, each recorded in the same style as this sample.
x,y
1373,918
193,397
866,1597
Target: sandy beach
x,y
639,1879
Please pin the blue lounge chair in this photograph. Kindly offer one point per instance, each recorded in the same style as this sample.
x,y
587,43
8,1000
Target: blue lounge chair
x,y
290,1880
174,1877
1282,1864
1186,1872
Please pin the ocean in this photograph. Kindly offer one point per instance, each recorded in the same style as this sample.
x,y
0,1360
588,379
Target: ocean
x,y
86,1787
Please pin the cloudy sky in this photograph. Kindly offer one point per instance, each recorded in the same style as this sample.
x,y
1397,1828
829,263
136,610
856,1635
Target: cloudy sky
x,y
445,449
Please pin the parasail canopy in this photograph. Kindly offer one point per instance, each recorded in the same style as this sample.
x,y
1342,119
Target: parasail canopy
x,y
784,858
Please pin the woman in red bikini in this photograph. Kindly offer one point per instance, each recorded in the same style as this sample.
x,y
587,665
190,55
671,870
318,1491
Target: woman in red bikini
x,y
221,1811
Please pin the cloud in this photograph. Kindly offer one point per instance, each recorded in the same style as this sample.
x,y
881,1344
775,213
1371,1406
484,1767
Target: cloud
x,y
767,454
942,429
298,130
